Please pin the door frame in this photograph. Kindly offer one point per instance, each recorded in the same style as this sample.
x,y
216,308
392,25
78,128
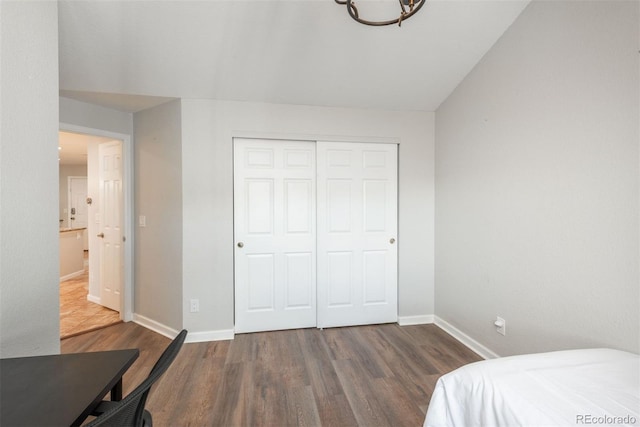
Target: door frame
x,y
126,313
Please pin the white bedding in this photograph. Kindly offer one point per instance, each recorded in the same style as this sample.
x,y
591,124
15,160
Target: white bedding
x,y
598,387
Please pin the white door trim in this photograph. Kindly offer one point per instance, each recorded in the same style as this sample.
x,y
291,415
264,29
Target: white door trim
x,y
127,152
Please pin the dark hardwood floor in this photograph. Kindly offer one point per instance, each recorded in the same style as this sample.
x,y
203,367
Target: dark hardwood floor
x,y
379,375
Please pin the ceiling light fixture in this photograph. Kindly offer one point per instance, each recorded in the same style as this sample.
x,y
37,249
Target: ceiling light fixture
x,y
408,8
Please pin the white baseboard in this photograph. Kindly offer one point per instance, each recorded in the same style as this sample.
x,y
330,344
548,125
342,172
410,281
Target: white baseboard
x,y
465,339
72,275
415,320
155,326
228,334
221,335
205,336
93,298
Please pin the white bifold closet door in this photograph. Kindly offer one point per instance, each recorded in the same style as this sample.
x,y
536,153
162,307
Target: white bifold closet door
x,y
357,232
305,259
275,234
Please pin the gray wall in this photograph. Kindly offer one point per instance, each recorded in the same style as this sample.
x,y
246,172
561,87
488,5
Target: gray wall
x,y
29,270
158,196
208,128
94,116
537,184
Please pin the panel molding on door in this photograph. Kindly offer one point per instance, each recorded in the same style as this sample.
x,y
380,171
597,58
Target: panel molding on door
x,y
111,221
357,232
275,234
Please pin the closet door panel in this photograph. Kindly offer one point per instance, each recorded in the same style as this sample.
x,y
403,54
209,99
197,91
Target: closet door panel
x,y
357,233
275,235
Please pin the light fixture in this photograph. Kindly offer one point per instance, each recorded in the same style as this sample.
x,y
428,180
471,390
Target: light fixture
x,y
408,8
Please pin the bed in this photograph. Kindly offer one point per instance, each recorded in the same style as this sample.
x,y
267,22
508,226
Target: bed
x,y
563,388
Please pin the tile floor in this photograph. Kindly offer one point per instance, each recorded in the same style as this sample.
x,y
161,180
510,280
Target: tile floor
x,y
77,315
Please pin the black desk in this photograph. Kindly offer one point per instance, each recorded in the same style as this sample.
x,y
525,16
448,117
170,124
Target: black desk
x,y
59,390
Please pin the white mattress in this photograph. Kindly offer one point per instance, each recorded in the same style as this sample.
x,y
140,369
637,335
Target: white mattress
x,y
598,387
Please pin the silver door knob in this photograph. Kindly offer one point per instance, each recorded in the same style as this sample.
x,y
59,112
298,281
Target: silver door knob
x,y
101,235
240,244
392,240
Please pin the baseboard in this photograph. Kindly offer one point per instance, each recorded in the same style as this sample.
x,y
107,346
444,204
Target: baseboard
x,y
155,326
415,320
465,339
205,336
228,334
93,298
71,275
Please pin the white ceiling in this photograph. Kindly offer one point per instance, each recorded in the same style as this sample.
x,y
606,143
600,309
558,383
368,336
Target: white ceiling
x,y
305,52
72,147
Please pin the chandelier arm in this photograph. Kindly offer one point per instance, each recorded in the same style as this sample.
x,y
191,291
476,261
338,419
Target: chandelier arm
x,y
353,12
404,11
414,10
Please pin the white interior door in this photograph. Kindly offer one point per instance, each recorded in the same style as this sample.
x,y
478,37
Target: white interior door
x,y
275,235
77,206
357,232
111,217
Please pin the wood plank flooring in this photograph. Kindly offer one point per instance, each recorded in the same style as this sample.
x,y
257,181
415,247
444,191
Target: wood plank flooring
x,y
77,315
379,375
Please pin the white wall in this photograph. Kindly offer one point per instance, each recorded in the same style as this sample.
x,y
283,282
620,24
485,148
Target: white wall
x,y
208,128
537,184
29,294
158,188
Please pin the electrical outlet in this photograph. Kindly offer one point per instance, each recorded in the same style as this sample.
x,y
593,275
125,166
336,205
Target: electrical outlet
x,y
501,325
194,306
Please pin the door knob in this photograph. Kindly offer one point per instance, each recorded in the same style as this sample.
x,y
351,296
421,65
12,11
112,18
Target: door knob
x,y
392,240
101,235
240,244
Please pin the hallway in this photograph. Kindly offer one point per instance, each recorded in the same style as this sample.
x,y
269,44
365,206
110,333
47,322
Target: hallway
x,y
77,314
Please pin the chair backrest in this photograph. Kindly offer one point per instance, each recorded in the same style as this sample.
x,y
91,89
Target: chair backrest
x,y
130,410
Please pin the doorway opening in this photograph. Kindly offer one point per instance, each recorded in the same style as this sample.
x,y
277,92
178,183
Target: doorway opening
x,y
93,289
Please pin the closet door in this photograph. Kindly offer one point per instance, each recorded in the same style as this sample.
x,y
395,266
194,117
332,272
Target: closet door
x,y
357,232
275,234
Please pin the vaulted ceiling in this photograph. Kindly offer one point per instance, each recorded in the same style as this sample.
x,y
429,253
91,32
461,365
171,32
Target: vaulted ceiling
x,y
133,54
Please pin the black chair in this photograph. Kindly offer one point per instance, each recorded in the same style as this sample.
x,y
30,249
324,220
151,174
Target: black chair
x,y
130,411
